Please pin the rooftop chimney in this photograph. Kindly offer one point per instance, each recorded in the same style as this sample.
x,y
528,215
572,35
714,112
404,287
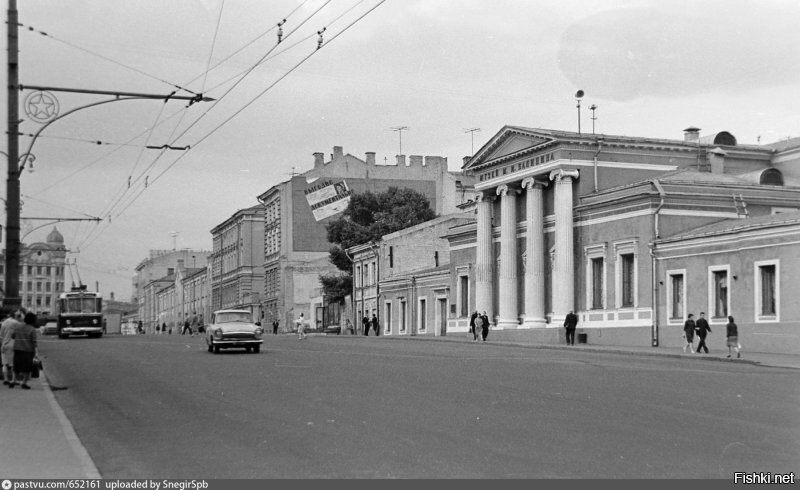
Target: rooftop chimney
x,y
691,134
337,152
415,160
319,159
401,160
370,158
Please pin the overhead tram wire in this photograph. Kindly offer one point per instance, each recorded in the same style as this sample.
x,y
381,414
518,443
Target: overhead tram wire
x,y
119,200
106,58
227,120
275,55
246,45
87,243
213,44
219,99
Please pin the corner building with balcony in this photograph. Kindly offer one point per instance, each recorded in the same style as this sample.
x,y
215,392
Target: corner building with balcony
x,y
569,221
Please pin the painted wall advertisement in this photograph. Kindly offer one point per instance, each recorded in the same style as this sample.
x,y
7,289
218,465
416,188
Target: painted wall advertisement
x,y
328,198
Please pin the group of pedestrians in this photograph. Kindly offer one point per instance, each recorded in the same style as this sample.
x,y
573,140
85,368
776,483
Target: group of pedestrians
x,y
370,323
702,329
18,348
479,326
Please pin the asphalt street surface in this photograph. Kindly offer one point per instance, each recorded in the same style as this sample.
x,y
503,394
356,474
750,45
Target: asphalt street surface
x,y
365,407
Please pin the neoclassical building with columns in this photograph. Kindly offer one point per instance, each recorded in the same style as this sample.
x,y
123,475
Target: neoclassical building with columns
x,y
569,221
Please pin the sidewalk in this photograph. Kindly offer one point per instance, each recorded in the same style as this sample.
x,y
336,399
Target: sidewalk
x,y
754,358
37,440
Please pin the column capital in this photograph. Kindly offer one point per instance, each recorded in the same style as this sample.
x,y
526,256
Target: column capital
x,y
530,183
505,189
562,174
484,196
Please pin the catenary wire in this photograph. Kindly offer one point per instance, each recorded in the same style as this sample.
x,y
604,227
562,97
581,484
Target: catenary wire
x,y
227,120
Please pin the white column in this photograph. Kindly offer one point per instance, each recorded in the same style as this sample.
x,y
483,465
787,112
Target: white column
x,y
534,270
484,259
563,272
509,313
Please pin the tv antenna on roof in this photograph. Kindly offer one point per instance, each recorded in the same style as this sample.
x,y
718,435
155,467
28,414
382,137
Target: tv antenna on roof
x,y
399,130
472,132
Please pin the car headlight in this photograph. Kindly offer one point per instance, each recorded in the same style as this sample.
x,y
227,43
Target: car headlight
x,y
69,322
218,333
94,321
258,332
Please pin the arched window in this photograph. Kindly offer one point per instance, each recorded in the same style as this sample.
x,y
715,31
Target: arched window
x,y
771,176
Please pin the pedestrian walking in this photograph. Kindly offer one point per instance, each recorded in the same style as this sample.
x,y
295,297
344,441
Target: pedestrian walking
x,y
7,345
374,322
186,325
140,327
275,327
194,326
703,329
301,327
688,333
472,325
365,325
477,327
485,326
570,323
732,335
25,350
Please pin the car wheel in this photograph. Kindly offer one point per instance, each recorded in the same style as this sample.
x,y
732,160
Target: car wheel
x,y
216,349
256,349
210,346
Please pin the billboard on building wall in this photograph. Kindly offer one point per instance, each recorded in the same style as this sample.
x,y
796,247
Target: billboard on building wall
x,y
328,198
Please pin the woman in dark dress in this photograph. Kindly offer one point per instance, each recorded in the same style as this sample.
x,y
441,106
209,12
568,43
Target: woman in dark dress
x,y
732,335
25,349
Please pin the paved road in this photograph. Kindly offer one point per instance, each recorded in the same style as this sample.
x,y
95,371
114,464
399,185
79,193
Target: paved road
x,y
352,407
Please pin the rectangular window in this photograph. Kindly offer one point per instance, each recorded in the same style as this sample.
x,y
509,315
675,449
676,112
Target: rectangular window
x,y
718,293
391,257
597,283
767,291
402,328
423,315
676,303
767,277
387,319
463,296
358,276
627,280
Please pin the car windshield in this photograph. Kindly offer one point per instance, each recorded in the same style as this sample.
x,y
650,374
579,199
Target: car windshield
x,y
233,317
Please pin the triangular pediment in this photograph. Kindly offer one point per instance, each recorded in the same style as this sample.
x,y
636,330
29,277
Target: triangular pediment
x,y
509,142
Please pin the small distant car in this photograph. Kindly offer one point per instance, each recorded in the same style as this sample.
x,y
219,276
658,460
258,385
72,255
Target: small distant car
x,y
233,329
332,329
50,328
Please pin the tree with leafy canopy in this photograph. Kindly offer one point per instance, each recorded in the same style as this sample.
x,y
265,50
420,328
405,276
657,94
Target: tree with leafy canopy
x,y
367,218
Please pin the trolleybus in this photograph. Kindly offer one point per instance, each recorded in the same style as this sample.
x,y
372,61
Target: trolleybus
x,y
80,312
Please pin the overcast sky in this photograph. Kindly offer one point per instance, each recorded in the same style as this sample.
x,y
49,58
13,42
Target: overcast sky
x,y
439,67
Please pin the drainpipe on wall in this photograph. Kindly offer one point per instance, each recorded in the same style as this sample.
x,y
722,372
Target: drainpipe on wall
x,y
599,147
376,248
413,306
656,235
357,321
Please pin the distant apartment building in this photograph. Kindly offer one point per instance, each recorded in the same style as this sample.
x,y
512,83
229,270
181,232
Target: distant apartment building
x,y
153,274
181,295
297,210
42,273
237,261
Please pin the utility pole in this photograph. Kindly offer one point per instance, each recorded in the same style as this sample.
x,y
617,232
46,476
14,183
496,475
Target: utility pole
x,y
400,130
11,297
